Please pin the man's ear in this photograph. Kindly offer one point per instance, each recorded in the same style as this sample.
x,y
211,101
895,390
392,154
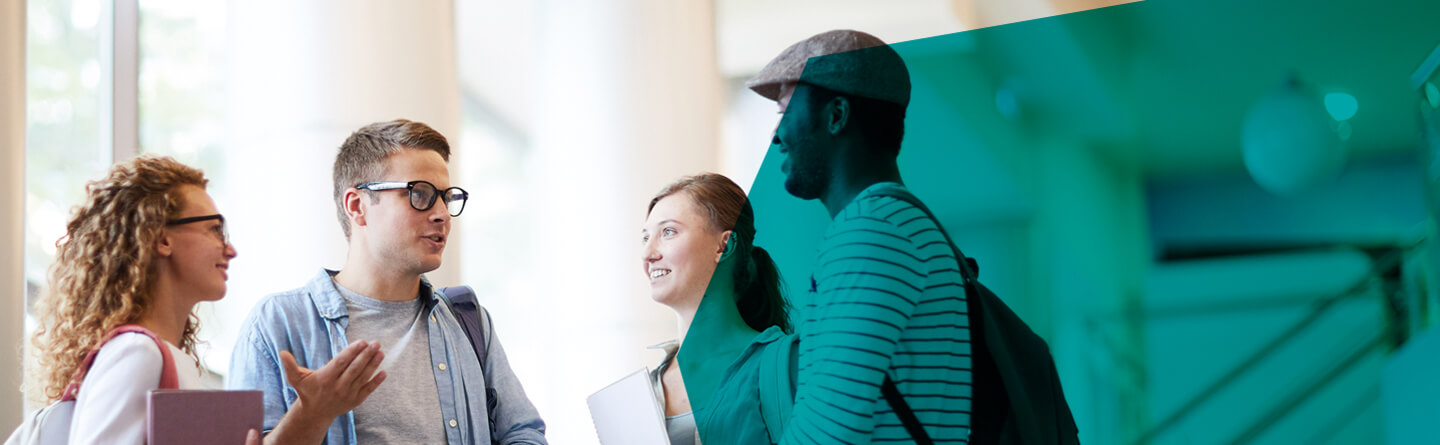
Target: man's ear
x,y
163,245
353,201
838,114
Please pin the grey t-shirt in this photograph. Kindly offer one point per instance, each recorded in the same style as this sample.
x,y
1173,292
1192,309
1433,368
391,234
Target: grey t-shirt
x,y
406,408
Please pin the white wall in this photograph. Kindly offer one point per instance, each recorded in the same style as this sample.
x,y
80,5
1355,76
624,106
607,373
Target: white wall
x,y
12,207
300,82
625,99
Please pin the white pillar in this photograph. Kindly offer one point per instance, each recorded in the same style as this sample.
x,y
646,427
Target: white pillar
x,y
12,208
303,76
628,99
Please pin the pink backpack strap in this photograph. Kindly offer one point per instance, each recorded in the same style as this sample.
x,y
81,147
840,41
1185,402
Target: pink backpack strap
x,y
168,377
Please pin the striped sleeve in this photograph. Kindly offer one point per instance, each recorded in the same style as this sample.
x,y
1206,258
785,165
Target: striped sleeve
x,y
869,279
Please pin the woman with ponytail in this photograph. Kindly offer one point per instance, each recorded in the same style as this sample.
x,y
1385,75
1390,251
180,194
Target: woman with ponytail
x,y
700,256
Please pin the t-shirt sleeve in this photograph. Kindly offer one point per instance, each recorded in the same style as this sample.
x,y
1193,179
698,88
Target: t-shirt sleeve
x,y
111,405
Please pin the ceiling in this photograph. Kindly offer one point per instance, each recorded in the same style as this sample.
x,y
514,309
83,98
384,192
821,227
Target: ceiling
x,y
1197,67
1162,84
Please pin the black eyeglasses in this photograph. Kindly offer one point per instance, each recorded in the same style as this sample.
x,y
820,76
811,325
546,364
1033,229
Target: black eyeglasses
x,y
218,230
423,194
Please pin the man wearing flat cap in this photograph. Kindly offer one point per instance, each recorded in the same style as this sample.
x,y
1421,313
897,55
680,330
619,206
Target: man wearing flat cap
x,y
886,309
885,350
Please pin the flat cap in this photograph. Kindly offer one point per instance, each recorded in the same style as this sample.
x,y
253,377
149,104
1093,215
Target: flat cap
x,y
844,61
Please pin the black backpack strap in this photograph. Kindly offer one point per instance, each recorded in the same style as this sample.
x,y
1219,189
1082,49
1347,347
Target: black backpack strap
x,y
475,321
993,414
467,311
902,410
982,364
969,269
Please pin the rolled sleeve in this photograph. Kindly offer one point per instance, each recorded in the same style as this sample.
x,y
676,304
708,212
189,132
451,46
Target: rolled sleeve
x,y
253,366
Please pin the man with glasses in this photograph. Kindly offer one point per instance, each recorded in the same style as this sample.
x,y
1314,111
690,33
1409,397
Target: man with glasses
x,y
394,200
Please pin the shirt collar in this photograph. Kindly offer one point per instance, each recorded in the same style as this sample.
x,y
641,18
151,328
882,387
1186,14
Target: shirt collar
x,y
667,345
331,305
328,301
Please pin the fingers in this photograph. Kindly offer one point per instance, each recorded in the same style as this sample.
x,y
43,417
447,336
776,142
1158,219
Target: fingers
x,y
343,359
252,437
355,370
368,372
292,370
370,387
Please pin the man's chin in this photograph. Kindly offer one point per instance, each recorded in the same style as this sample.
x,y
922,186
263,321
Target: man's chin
x,y
427,266
799,189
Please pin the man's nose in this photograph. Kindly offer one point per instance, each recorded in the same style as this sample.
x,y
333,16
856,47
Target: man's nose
x,y
440,213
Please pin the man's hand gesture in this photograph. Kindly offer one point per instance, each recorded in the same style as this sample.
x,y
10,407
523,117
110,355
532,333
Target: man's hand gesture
x,y
340,385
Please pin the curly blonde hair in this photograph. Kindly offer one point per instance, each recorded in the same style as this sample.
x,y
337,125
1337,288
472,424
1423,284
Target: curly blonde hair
x,y
105,265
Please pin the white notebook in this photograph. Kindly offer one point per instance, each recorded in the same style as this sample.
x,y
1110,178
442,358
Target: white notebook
x,y
625,413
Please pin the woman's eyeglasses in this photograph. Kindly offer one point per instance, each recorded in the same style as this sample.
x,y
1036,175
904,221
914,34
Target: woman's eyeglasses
x,y
218,230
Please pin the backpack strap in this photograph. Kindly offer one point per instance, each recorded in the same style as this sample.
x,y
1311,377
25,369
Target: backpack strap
x,y
777,385
475,321
466,307
998,335
902,410
169,379
969,269
970,274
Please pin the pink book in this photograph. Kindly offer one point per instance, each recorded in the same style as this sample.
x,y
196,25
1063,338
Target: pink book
x,y
191,417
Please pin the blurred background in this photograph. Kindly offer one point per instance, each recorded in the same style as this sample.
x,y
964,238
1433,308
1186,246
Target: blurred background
x,y
1200,276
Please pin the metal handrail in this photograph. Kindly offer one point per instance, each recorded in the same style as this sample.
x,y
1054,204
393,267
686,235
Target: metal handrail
x,y
1328,430
1300,396
1320,308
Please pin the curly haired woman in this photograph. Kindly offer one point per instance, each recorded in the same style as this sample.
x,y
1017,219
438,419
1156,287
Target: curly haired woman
x,y
144,247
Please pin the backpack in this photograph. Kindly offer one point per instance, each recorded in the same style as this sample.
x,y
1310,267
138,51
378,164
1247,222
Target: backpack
x,y
51,425
1017,395
475,321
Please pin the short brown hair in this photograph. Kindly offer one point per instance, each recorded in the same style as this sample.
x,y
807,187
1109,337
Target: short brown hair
x,y
362,156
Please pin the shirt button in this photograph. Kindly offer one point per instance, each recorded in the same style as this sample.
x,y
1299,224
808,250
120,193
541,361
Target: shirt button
x,y
453,423
432,318
442,366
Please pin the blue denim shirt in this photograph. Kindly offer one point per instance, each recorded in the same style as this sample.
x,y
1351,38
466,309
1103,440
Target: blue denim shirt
x,y
310,322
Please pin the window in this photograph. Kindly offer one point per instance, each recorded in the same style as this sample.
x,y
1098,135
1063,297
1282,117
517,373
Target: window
x,y
67,116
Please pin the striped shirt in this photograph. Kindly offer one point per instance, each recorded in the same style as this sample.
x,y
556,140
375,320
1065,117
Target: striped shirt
x,y
887,297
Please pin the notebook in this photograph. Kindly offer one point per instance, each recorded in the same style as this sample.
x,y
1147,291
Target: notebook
x,y
625,413
191,417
